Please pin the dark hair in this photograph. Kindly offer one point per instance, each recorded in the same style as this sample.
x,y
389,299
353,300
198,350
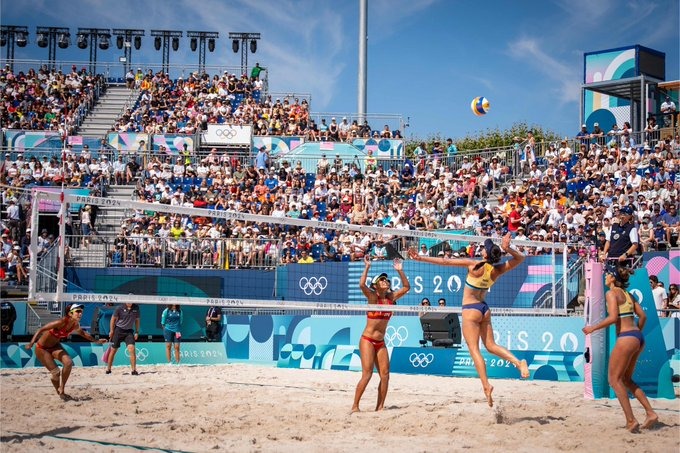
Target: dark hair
x,y
621,276
493,254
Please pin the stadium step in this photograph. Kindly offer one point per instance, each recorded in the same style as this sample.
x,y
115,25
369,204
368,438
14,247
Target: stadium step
x,y
108,110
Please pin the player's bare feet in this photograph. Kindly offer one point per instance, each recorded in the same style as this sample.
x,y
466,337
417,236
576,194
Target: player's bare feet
x,y
488,391
523,369
355,409
379,408
633,427
55,378
650,421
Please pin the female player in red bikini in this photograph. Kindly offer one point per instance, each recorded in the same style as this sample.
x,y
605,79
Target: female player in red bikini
x,y
372,344
48,346
475,312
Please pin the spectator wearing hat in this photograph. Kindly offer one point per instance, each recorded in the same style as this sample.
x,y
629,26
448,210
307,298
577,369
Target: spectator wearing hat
x,y
344,130
623,241
583,136
597,135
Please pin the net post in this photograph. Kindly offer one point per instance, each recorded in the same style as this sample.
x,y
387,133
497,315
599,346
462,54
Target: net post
x,y
565,270
33,248
553,279
62,249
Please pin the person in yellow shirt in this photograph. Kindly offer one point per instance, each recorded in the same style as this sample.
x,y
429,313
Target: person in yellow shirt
x,y
305,258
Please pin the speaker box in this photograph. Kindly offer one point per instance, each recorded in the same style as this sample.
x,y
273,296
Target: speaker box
x,y
441,326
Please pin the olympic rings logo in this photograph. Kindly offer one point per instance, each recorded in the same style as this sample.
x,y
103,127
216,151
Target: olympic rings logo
x,y
420,359
226,133
313,285
141,353
395,337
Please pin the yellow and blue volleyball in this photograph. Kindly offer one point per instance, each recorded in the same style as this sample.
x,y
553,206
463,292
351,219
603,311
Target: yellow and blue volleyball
x,y
480,106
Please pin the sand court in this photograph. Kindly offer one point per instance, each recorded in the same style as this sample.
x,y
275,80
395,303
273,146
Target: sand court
x,y
239,407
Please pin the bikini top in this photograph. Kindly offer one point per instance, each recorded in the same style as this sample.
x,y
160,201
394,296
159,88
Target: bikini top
x,y
62,333
484,281
627,309
381,314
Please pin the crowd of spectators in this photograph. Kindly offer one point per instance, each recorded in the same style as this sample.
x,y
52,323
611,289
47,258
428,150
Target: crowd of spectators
x,y
47,99
168,106
561,195
569,197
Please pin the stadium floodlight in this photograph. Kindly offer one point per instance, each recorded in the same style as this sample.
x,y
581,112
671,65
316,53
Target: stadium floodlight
x,y
244,41
22,39
94,38
199,39
11,36
53,37
164,39
104,41
81,41
125,38
64,40
41,40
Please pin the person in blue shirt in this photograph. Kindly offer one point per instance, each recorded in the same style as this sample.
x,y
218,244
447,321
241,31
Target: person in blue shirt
x,y
451,148
171,320
261,158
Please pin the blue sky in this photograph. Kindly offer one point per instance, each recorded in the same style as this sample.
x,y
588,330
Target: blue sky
x,y
427,59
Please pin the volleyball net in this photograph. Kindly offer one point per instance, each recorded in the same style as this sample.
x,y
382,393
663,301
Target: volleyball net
x,y
250,263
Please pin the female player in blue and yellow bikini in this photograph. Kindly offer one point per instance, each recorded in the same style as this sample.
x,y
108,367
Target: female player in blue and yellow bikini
x,y
48,346
476,313
372,344
621,310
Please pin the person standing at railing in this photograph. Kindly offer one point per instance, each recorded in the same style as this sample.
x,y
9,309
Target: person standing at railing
x,y
597,134
622,242
669,110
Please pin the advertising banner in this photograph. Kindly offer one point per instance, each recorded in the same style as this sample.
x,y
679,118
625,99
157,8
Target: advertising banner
x,y
15,355
227,134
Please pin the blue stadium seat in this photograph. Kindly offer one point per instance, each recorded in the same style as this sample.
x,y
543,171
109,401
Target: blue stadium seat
x,y
321,209
310,178
317,251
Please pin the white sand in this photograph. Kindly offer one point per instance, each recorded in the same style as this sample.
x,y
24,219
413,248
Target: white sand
x,y
250,408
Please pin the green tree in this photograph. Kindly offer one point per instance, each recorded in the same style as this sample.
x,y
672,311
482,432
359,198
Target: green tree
x,y
487,139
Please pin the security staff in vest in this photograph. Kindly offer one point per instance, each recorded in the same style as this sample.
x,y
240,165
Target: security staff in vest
x,y
622,241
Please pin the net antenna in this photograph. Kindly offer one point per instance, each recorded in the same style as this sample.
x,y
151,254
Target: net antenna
x,y
309,289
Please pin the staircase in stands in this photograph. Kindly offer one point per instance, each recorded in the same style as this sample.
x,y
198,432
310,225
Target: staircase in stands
x,y
108,110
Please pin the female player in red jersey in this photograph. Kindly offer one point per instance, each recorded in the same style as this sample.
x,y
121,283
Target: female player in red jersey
x,y
372,344
48,346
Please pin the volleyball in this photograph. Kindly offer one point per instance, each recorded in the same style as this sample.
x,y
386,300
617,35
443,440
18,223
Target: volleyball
x,y
480,106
